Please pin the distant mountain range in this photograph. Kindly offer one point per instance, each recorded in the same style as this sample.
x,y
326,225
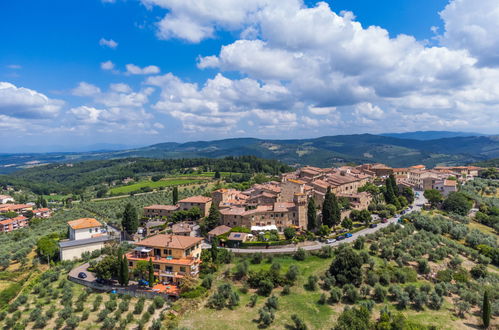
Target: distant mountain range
x,y
430,135
323,151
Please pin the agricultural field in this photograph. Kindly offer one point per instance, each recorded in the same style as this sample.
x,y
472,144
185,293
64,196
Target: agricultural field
x,y
428,279
48,300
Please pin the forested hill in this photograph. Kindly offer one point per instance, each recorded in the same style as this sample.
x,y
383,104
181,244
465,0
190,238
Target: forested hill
x,y
324,151
72,177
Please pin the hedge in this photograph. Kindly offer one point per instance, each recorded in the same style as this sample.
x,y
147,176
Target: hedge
x,y
274,243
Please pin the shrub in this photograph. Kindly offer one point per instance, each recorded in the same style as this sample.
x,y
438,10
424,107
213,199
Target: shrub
x,y
311,284
286,290
252,300
300,254
159,302
207,282
379,294
335,296
265,288
350,293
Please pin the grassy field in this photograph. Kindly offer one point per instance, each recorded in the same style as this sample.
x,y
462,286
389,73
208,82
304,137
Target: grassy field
x,y
305,304
123,190
482,228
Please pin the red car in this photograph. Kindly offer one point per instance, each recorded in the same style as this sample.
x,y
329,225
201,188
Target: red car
x,y
384,220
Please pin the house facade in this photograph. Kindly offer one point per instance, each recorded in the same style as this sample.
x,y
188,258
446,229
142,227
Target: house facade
x,y
12,224
174,257
85,235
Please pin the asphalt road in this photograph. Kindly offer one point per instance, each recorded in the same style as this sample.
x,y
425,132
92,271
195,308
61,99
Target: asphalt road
x,y
419,200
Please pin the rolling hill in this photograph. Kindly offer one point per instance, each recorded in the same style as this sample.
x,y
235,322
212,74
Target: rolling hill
x,y
323,151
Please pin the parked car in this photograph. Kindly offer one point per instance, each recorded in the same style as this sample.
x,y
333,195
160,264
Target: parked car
x,y
373,225
143,282
348,235
384,220
330,240
341,231
82,275
339,238
100,281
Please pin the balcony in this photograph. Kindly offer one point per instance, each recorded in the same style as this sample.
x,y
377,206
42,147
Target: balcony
x,y
137,256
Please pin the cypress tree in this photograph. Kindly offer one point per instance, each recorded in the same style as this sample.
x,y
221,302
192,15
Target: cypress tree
x,y
150,270
311,215
120,269
327,209
130,221
393,182
124,271
213,218
486,310
336,211
175,195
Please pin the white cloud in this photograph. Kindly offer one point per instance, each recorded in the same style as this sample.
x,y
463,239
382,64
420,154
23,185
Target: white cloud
x,y
120,88
20,102
108,43
135,70
85,89
321,110
368,110
473,25
108,65
14,66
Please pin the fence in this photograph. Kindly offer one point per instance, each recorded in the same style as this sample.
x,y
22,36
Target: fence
x,y
126,291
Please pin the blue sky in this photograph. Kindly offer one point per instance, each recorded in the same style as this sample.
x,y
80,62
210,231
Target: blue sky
x,y
213,69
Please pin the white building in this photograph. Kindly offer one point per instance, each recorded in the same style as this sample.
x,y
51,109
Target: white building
x,y
4,199
85,235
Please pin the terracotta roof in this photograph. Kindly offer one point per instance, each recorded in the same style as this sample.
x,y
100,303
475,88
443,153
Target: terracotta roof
x,y
5,196
162,207
42,210
84,223
13,207
170,241
451,183
220,230
196,199
9,221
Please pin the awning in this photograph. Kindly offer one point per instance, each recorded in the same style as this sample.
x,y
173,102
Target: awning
x,y
263,228
142,249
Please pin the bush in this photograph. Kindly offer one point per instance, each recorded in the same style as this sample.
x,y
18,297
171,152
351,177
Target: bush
x,y
286,290
300,254
335,296
350,293
252,300
265,288
311,284
379,294
207,282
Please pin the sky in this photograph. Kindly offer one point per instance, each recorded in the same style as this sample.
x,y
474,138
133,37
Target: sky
x,y
84,72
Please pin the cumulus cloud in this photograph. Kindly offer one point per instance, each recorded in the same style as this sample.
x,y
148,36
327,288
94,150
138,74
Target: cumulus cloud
x,y
85,89
136,70
108,65
473,26
20,102
328,64
108,43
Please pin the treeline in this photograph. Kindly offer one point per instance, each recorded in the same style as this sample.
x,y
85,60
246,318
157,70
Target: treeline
x,y
73,178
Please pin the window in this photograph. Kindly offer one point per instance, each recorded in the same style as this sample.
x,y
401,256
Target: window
x,y
130,263
156,266
90,230
182,269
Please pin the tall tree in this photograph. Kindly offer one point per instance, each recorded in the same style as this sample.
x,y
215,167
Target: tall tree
x,y
311,215
130,221
150,271
213,218
393,182
327,208
124,270
390,196
486,310
217,175
175,195
336,211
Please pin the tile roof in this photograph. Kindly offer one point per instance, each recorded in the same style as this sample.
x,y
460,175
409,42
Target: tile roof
x,y
84,223
196,199
220,230
170,241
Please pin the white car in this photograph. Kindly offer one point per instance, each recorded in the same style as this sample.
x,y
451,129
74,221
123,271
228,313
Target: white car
x,y
330,240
